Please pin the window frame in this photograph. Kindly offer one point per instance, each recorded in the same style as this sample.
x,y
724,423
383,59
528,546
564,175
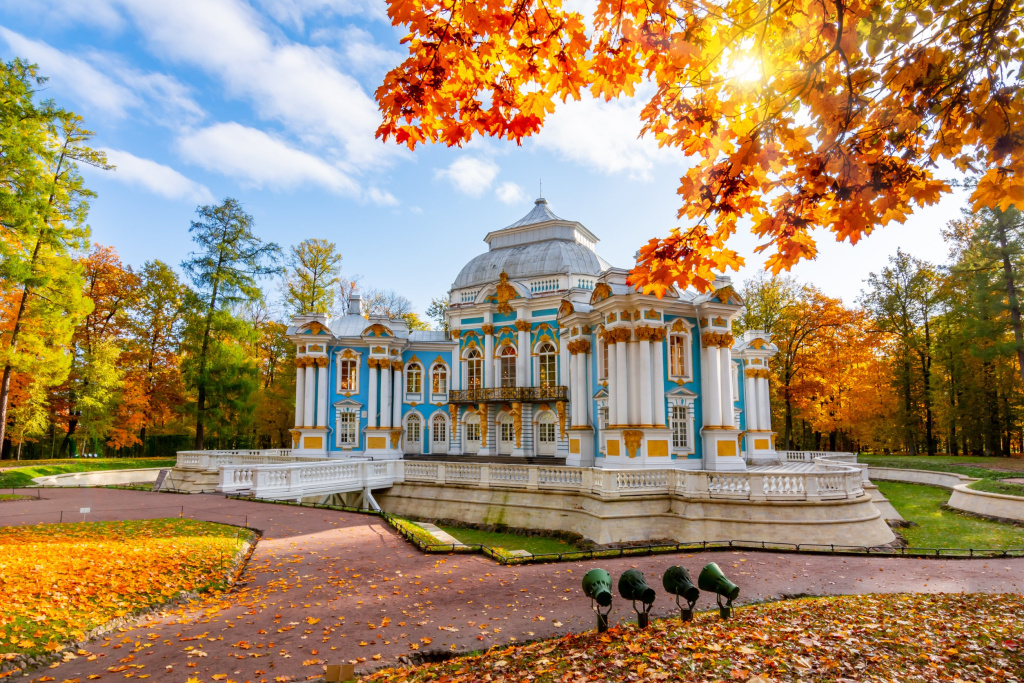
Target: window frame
x,y
435,370
474,366
507,366
547,377
686,350
342,361
413,371
346,416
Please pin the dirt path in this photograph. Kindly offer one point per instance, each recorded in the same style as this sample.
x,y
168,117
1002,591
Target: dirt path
x,y
328,587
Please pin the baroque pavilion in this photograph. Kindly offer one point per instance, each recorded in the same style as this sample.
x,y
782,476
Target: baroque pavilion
x,y
550,354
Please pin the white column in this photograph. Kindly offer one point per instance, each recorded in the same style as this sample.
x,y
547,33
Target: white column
x,y
563,361
396,402
658,350
622,383
613,385
725,362
523,359
321,390
764,405
309,412
646,390
633,360
712,402
300,395
750,403
385,395
456,376
586,392
489,374
371,407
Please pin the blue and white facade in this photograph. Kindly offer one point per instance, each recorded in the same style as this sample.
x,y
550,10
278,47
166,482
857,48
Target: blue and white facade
x,y
550,353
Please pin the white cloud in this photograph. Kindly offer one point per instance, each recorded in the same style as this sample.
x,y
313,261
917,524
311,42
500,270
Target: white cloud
x,y
295,12
157,178
294,84
470,175
511,193
256,158
380,197
103,82
360,51
74,75
605,136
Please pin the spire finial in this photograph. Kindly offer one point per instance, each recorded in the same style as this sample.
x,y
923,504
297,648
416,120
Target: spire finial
x,y
542,188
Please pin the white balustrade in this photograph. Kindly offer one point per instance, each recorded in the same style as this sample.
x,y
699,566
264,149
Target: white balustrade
x,y
277,475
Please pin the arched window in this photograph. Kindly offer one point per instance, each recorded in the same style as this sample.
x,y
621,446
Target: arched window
x,y
413,433
440,430
413,379
439,379
547,365
678,347
546,428
348,376
508,366
474,370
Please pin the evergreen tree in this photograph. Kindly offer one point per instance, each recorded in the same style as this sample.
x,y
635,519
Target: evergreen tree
x,y
312,276
225,270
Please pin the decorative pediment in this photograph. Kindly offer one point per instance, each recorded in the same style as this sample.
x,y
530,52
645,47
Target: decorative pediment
x,y
348,403
758,344
601,393
565,309
378,330
680,392
314,327
727,295
601,292
349,353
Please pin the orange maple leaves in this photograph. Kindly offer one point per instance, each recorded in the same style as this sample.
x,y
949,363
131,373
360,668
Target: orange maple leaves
x,y
801,114
58,581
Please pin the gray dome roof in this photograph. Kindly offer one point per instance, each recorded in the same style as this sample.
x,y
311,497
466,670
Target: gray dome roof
x,y
548,257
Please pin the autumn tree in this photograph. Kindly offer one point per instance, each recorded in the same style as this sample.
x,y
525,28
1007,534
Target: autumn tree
x,y
902,300
312,275
438,312
155,322
799,115
86,403
225,269
43,207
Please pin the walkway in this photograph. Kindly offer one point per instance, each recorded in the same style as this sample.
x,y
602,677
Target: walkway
x,y
327,587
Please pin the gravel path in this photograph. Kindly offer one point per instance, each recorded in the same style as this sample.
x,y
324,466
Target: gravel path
x,y
326,587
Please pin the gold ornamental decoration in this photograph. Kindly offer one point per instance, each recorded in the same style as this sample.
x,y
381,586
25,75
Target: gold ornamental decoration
x,y
517,422
632,437
560,409
565,309
505,293
396,434
579,346
455,333
396,365
488,329
482,409
601,292
379,330
722,340
453,411
758,372
659,334
523,325
643,333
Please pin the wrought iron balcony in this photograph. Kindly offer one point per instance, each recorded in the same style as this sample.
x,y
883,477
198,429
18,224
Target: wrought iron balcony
x,y
509,395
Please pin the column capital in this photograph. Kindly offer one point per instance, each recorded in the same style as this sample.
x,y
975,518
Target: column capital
x,y
487,329
523,325
722,340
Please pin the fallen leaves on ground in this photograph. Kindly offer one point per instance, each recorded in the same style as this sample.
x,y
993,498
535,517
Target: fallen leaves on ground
x,y
58,581
946,637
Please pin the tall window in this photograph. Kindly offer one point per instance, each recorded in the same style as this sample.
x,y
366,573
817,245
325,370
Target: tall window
x,y
680,427
474,370
508,366
439,379
677,355
346,429
348,375
473,431
412,428
440,430
507,430
604,360
546,430
547,364
413,379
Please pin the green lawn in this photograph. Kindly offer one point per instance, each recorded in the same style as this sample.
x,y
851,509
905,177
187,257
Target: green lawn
x,y
941,528
23,476
14,496
538,545
980,468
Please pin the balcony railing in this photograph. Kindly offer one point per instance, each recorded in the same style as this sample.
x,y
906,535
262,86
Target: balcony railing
x,y
509,394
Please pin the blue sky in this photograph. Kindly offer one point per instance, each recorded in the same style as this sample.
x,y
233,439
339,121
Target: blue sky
x,y
271,102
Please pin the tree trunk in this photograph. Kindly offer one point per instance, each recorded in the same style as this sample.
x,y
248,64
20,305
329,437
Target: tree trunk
x,y
908,429
1011,289
201,398
926,372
